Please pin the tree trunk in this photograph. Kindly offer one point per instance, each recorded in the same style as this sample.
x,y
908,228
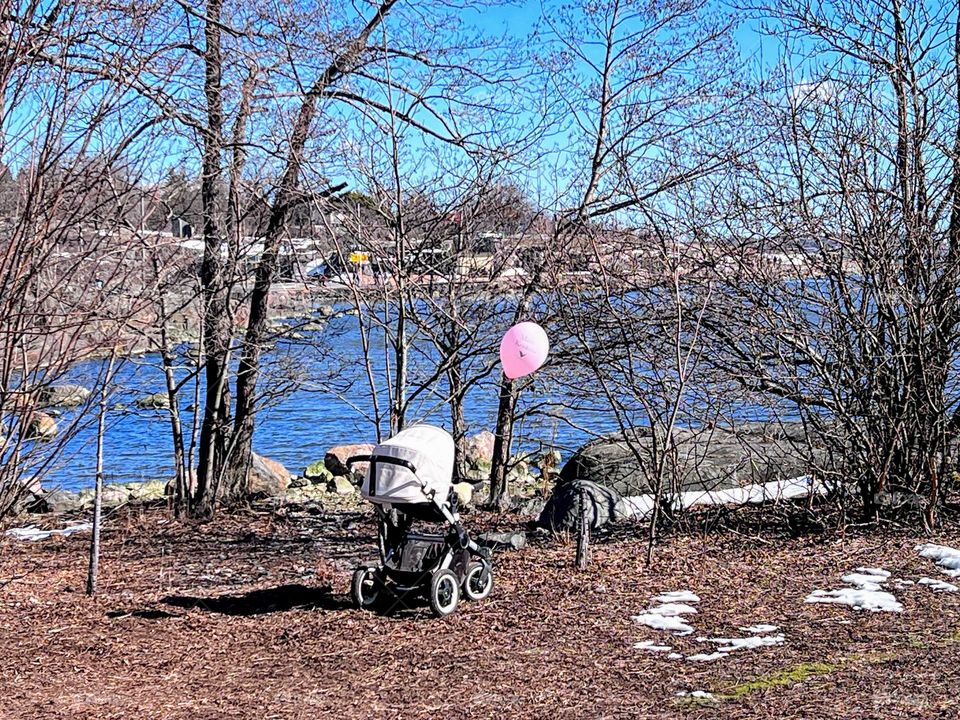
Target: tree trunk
x,y
503,440
217,332
248,372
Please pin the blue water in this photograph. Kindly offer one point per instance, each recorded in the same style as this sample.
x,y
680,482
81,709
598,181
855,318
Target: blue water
x,y
317,396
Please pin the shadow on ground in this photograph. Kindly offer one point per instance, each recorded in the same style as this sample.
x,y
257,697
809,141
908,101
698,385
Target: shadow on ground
x,y
268,600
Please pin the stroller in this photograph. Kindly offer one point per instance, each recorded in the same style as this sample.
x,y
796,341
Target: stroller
x,y
410,478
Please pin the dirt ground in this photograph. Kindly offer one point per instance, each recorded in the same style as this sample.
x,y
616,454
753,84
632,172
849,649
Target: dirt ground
x,y
248,617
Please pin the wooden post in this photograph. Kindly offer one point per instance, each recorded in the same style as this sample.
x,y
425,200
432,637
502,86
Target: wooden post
x,y
583,532
94,567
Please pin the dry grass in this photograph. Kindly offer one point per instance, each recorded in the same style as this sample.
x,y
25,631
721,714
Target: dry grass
x,y
248,618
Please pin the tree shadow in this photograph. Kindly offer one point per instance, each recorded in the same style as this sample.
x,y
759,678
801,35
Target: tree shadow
x,y
268,600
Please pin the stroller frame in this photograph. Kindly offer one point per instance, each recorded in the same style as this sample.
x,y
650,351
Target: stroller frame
x,y
439,566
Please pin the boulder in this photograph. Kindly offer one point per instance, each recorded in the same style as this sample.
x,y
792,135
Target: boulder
x,y
705,459
562,511
19,494
529,506
464,493
267,477
336,458
325,311
113,496
478,450
64,395
56,501
40,426
148,491
157,401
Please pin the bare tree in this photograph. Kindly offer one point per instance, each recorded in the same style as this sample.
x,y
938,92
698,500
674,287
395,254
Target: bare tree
x,y
843,282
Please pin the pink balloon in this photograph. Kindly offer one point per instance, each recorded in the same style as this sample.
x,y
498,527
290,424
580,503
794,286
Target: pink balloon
x,y
523,349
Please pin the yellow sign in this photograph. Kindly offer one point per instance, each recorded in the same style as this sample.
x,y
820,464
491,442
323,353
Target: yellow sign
x,y
359,257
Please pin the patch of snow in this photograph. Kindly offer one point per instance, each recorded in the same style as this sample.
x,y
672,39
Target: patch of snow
x,y
640,506
946,557
652,646
706,657
866,578
673,623
939,585
760,629
732,644
866,594
680,596
669,615
696,694
32,533
675,656
858,599
674,609
900,582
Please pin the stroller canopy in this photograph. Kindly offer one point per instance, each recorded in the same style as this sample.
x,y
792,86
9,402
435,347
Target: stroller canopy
x,y
429,449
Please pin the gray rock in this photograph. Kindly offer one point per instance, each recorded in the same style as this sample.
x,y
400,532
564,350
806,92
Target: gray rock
x,y
156,401
55,501
114,496
341,485
531,506
64,395
502,541
705,459
562,511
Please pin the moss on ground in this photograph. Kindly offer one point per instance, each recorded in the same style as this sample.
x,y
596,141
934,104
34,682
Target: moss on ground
x,y
781,678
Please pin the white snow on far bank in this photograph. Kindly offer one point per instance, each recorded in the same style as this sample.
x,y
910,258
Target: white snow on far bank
x,y
640,506
652,646
760,629
32,533
938,585
696,694
946,557
680,596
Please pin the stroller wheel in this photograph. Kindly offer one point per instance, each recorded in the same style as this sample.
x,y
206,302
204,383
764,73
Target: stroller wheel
x,y
475,586
444,593
366,587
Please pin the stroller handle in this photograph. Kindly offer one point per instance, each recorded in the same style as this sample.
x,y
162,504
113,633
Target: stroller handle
x,y
354,459
382,459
